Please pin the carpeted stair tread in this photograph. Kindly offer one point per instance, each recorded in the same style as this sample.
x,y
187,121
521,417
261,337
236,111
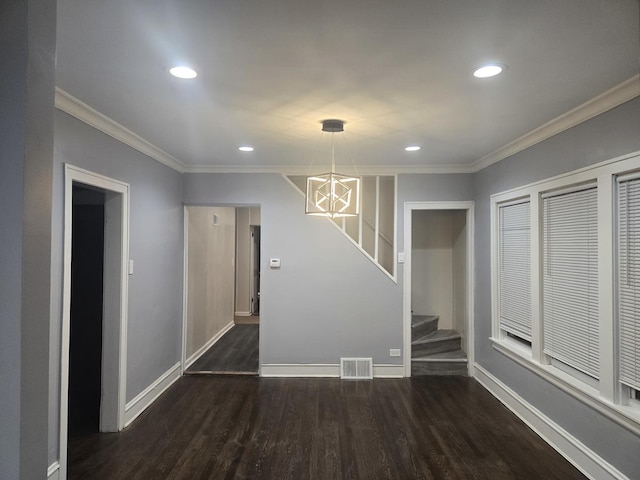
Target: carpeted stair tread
x,y
422,325
455,356
437,336
418,319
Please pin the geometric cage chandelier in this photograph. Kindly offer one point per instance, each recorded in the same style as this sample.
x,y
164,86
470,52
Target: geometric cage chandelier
x,y
332,194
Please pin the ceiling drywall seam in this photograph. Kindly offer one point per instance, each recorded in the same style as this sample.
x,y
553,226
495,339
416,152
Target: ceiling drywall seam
x,y
83,112
618,95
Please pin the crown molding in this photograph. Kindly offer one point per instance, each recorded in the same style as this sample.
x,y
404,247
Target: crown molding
x,y
618,95
83,112
362,170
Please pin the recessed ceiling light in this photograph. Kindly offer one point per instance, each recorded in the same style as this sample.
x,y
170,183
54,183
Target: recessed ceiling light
x,y
487,71
412,148
181,71
245,149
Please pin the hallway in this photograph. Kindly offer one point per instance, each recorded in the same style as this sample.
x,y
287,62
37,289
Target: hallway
x,y
235,353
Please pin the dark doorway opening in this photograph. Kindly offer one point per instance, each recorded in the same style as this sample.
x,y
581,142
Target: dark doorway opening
x,y
85,345
255,269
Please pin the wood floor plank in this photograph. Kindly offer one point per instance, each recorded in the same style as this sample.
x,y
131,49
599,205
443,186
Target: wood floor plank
x,y
209,427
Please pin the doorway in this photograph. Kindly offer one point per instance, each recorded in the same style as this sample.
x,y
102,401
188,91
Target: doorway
x,y
85,342
254,289
222,290
438,292
94,306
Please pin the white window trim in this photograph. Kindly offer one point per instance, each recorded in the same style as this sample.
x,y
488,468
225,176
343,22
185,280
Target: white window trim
x,y
608,398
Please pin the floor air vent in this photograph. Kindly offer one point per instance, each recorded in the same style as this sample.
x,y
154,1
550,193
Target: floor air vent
x,y
356,368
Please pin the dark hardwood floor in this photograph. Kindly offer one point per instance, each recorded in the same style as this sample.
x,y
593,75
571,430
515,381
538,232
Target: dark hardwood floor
x,y
236,352
226,427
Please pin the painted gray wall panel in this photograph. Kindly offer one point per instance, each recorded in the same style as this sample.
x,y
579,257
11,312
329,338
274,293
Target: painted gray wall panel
x,y
13,54
309,311
156,246
609,135
27,52
431,188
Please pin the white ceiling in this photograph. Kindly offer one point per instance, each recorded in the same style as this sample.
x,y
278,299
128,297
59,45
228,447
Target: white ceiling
x,y
398,72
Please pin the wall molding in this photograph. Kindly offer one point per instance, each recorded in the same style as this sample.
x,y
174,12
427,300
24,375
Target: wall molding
x,y
83,112
388,371
53,472
331,370
362,169
571,386
577,453
145,398
208,345
617,95
612,98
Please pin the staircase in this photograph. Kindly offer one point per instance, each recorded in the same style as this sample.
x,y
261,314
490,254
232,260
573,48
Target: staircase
x,y
433,351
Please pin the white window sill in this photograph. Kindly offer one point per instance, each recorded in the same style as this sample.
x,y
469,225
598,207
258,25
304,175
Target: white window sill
x,y
626,416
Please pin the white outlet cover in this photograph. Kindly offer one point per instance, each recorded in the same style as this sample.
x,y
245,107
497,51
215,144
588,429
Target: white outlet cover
x,y
394,352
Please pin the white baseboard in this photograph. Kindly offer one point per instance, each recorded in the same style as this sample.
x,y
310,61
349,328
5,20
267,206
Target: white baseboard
x,y
578,454
140,403
388,371
243,314
207,345
323,370
53,472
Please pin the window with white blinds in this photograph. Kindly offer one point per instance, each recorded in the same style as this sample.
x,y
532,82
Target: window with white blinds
x,y
629,281
570,279
514,257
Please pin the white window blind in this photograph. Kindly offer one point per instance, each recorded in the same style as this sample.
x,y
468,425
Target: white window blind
x,y
570,281
514,256
629,281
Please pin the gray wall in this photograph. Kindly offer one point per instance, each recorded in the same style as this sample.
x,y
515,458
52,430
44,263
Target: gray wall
x,y
309,311
156,246
12,138
27,52
604,137
431,188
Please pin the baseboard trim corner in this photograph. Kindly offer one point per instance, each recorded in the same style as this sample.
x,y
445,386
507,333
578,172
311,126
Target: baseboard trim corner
x,y
145,398
53,472
572,449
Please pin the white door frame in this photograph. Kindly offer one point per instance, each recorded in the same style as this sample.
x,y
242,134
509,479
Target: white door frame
x,y
115,293
185,287
409,207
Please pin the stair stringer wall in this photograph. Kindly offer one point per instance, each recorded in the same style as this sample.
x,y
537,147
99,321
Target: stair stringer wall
x,y
348,225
